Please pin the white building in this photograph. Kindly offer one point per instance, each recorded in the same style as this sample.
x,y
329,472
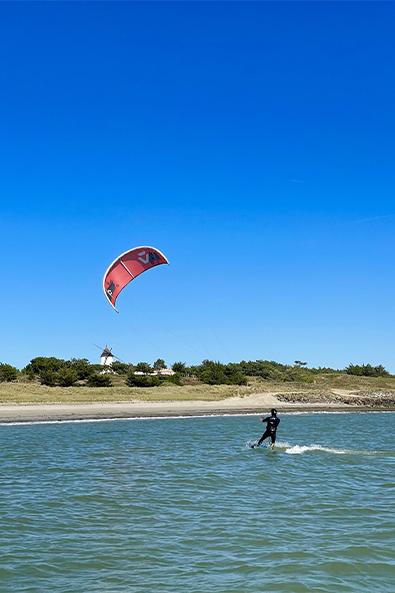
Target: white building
x,y
106,358
160,372
164,372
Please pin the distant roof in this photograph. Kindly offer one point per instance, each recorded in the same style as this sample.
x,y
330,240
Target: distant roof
x,y
107,352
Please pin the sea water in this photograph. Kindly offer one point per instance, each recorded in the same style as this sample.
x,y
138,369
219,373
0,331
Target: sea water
x,y
184,505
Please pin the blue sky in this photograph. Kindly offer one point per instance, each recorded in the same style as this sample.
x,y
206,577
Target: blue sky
x,y
253,143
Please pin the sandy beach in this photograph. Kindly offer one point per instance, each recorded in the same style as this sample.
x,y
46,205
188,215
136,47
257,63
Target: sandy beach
x,y
252,404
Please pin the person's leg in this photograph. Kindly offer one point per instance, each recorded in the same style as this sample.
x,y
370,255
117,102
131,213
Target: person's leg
x,y
273,439
263,437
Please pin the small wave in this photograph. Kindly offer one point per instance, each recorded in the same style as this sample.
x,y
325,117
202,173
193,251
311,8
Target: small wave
x,y
299,449
291,449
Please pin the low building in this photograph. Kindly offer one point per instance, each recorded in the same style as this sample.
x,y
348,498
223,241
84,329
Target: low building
x,y
159,373
164,372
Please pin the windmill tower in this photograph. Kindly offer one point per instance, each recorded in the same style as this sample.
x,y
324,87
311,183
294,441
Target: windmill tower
x,y
106,357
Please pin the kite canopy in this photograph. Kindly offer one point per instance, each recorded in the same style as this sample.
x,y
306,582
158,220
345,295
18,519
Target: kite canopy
x,y
127,266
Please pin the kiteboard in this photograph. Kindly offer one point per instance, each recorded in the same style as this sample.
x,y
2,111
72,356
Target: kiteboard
x,y
254,445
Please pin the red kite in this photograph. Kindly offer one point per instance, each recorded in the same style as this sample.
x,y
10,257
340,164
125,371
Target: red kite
x,y
127,266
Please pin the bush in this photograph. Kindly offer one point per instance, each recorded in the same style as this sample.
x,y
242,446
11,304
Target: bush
x,y
176,379
120,368
67,377
366,370
30,376
48,377
142,381
296,374
266,369
159,364
80,366
143,367
8,373
215,373
237,378
179,367
44,363
99,381
273,375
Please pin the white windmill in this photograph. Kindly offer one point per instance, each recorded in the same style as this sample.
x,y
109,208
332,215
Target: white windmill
x,y
107,357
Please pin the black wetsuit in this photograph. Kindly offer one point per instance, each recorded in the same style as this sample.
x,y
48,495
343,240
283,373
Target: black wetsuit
x,y
271,426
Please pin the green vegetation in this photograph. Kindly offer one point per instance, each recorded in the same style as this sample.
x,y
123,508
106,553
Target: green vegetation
x,y
134,380
180,368
142,380
56,380
8,373
51,371
143,367
215,373
159,364
121,368
366,370
67,377
46,377
99,381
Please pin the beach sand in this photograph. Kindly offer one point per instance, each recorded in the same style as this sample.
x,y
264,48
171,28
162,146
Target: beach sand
x,y
259,403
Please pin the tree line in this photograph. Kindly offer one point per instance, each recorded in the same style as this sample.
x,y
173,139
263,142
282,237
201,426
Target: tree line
x,y
52,371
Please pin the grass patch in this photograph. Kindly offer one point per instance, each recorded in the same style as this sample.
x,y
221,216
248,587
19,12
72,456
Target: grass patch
x,y
30,393
33,392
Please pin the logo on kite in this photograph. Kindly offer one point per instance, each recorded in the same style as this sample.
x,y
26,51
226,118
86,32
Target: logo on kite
x,y
110,289
127,266
151,257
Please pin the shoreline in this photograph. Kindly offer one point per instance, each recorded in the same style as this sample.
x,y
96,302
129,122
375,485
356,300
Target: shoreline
x,y
31,413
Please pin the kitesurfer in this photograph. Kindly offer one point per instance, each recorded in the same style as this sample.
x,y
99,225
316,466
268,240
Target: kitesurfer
x,y
272,422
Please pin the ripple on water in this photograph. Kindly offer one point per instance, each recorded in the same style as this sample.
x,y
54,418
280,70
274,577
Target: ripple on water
x,y
176,505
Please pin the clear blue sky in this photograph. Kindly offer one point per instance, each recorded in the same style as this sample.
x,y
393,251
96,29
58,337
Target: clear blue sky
x,y
253,143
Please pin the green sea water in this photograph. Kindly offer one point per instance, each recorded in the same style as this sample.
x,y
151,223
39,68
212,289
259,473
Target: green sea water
x,y
183,505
